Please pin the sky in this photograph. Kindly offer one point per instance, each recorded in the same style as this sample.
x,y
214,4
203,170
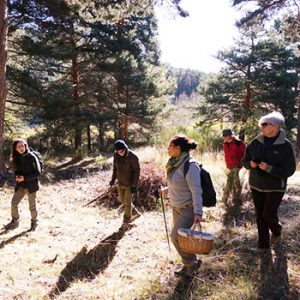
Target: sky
x,y
191,42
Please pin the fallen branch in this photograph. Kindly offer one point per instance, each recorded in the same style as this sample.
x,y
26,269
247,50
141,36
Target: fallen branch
x,y
151,178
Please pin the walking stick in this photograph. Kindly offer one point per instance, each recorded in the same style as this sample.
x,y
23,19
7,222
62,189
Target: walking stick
x,y
134,196
165,220
133,207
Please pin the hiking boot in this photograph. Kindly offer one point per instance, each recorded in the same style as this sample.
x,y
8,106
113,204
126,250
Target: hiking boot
x,y
33,225
135,212
189,270
134,216
258,250
275,239
181,271
14,223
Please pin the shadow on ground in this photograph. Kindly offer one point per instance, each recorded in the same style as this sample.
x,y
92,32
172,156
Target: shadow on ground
x,y
11,239
184,288
86,265
273,282
269,271
73,169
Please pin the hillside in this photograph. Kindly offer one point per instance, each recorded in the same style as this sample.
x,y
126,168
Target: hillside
x,y
81,252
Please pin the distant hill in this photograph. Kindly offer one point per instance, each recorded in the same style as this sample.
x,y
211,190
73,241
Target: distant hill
x,y
187,80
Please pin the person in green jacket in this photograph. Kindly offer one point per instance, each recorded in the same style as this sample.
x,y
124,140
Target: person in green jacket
x,y
126,169
271,160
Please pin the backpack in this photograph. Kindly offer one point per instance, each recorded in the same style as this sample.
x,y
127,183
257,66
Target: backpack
x,y
38,159
208,191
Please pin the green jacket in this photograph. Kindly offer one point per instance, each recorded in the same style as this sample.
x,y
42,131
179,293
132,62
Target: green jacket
x,y
126,169
279,156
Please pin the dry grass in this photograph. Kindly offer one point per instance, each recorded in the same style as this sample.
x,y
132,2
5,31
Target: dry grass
x,y
82,252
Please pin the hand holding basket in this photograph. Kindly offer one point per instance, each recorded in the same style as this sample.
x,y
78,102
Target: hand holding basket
x,y
195,241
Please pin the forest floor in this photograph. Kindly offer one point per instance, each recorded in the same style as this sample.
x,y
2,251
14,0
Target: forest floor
x,y
82,251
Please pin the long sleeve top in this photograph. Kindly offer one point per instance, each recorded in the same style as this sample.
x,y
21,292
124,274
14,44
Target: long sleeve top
x,y
234,152
186,190
28,166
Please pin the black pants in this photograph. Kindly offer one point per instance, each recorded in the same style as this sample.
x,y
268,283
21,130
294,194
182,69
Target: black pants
x,y
266,209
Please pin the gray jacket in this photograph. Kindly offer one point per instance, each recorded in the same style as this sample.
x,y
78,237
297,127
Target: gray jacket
x,y
186,190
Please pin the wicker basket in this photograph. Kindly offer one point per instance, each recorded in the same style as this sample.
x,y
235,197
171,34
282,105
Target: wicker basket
x,y
195,241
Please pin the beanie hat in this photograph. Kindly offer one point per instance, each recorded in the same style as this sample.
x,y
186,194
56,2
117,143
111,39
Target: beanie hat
x,y
274,118
120,145
227,132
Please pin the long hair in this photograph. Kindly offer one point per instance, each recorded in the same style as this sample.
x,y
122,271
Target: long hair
x,y
15,154
183,142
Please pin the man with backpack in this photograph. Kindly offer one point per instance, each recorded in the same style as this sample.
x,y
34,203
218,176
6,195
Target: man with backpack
x,y
27,166
234,150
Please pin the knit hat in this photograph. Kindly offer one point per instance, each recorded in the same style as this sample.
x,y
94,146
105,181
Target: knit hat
x,y
227,132
274,118
120,145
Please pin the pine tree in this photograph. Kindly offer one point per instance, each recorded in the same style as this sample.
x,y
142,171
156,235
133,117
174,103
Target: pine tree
x,y
260,76
63,53
3,92
285,15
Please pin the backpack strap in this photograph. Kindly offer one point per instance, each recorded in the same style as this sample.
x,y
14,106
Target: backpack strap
x,y
187,165
238,142
37,161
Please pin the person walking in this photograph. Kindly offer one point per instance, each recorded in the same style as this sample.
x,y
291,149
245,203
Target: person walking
x,y
234,150
126,169
185,194
270,159
27,169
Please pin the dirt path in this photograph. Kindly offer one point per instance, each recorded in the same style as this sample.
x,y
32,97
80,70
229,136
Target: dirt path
x,y
83,252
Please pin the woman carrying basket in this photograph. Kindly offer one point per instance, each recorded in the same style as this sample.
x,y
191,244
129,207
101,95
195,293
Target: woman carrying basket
x,y
185,194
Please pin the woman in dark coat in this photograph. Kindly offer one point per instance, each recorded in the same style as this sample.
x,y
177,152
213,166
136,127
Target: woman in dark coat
x,y
271,160
27,169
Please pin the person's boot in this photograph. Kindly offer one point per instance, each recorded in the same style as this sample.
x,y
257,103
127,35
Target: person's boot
x,y
135,214
33,225
180,272
133,217
189,271
14,223
275,239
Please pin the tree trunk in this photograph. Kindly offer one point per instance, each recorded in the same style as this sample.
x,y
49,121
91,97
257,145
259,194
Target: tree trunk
x,y
101,146
246,107
123,128
3,89
89,143
75,81
298,131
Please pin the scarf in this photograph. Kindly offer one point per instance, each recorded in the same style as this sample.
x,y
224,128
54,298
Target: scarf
x,y
174,162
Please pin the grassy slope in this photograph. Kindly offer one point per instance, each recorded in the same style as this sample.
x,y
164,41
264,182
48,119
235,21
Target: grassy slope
x,y
80,252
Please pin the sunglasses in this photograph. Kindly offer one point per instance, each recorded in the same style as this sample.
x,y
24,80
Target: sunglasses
x,y
265,124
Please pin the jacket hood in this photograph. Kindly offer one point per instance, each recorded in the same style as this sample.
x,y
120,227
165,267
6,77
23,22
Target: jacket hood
x,y
126,151
280,140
